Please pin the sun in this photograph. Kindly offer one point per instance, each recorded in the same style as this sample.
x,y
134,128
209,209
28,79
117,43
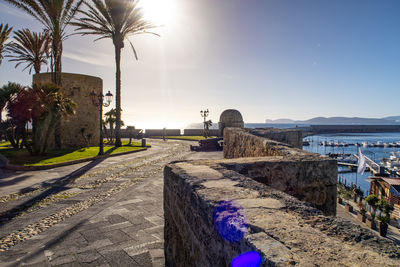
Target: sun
x,y
159,12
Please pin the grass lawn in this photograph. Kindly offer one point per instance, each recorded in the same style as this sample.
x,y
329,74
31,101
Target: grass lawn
x,y
183,137
5,145
22,157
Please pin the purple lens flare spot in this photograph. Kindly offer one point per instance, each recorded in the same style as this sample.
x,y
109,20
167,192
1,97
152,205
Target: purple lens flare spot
x,y
248,259
230,221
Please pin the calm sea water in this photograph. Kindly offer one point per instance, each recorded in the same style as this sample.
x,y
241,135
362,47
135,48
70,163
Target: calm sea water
x,y
374,153
274,125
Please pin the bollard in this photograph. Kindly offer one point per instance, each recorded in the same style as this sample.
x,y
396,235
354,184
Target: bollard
x,y
143,142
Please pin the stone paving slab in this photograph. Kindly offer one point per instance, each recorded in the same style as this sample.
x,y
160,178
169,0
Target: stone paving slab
x,y
125,229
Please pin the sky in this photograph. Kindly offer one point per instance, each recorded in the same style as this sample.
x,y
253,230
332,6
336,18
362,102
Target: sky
x,y
269,59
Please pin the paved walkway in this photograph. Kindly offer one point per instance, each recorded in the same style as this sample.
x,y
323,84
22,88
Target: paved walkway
x,y
111,214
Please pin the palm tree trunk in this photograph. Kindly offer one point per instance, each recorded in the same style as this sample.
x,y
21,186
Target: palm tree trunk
x,y
57,50
57,54
118,96
37,67
111,131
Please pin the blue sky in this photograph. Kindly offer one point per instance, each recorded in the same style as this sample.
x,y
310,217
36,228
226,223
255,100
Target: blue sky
x,y
268,59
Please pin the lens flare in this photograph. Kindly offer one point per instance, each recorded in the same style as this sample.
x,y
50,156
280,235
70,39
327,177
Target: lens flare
x,y
230,221
248,259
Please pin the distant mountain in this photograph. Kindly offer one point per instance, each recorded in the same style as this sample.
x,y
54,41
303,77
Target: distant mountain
x,y
393,118
340,120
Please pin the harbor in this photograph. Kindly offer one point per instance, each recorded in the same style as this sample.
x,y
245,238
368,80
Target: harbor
x,y
382,152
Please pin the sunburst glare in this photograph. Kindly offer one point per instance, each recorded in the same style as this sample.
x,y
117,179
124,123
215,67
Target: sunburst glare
x,y
159,12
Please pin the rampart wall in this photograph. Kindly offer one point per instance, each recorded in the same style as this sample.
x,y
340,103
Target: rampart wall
x,y
270,205
291,137
215,216
308,176
160,132
199,132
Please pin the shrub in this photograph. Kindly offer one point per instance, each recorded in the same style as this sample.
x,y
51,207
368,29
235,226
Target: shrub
x,y
371,200
383,219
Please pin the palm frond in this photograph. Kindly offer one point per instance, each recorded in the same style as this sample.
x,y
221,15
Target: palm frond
x,y
133,49
29,48
114,19
5,31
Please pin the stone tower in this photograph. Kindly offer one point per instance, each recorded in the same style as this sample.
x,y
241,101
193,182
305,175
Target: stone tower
x,y
230,118
78,87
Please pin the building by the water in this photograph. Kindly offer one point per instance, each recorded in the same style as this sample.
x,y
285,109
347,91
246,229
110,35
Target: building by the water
x,y
387,189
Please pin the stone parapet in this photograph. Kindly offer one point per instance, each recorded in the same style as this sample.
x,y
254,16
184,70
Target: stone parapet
x,y
200,132
287,136
307,176
160,132
240,143
311,179
282,229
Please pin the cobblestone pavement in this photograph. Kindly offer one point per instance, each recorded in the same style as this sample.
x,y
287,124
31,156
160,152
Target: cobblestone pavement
x,y
109,213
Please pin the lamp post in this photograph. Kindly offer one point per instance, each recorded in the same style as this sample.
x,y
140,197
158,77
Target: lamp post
x,y
204,114
98,101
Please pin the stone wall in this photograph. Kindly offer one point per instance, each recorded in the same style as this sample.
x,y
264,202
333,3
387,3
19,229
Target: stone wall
x,y
308,176
160,132
240,143
285,231
287,136
78,87
199,132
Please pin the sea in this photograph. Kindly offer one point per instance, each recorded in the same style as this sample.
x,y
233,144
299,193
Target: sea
x,y
374,153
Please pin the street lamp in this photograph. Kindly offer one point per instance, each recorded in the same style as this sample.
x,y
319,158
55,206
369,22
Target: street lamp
x,y
204,114
98,101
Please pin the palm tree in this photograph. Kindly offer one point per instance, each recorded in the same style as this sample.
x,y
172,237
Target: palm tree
x,y
4,34
30,48
110,119
43,105
55,15
117,20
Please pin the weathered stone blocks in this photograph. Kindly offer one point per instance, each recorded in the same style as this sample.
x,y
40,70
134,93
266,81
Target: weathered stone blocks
x,y
230,118
87,118
307,176
282,229
291,137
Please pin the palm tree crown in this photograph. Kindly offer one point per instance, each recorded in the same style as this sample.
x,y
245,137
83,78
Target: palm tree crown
x,y
30,48
116,20
55,15
4,34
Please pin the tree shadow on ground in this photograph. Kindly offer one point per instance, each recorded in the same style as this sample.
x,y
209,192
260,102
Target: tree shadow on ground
x,y
57,186
14,181
5,173
110,150
53,242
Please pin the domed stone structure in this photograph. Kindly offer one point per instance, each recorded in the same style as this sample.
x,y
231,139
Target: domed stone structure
x,y
230,118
